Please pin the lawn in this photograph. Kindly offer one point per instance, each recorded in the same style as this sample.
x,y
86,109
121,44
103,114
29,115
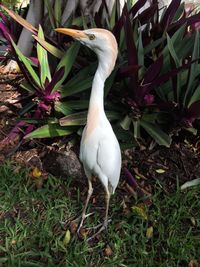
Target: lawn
x,y
32,232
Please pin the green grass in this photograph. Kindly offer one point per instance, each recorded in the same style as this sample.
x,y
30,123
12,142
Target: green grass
x,y
31,232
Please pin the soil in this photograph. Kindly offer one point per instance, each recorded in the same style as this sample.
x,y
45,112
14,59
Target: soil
x,y
148,165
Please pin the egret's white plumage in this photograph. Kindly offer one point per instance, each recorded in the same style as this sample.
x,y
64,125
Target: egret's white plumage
x,y
99,150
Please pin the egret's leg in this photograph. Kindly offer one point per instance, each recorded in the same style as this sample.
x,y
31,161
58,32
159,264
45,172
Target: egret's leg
x,y
90,191
105,222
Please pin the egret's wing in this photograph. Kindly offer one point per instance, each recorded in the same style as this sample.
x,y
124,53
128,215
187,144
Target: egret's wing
x,y
109,159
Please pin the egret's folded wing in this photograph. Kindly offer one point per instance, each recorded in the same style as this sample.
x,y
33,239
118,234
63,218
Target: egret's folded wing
x,y
109,159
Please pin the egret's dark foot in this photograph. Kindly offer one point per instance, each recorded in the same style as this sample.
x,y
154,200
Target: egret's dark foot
x,y
83,217
103,227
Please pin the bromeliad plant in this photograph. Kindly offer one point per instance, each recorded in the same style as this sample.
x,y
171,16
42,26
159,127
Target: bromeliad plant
x,y
161,77
156,85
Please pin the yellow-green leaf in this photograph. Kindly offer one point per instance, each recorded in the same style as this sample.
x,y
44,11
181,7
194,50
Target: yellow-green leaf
x,y
43,59
49,47
141,211
149,232
67,238
160,171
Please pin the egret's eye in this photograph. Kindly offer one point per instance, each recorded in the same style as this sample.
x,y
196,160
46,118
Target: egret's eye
x,y
91,36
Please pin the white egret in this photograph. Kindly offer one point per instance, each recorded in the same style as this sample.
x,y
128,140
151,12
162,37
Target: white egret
x,y
99,151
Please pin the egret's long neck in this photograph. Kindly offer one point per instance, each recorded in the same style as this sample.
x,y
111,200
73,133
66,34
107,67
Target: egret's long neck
x,y
97,92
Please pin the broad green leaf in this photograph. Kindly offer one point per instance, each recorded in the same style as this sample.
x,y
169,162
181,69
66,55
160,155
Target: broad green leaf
x,y
136,125
156,133
67,62
195,97
26,108
80,118
109,82
113,15
178,64
43,60
57,12
140,55
191,183
79,21
154,44
27,86
49,47
193,73
20,20
77,104
50,13
79,87
27,64
62,107
50,130
126,122
172,51
48,120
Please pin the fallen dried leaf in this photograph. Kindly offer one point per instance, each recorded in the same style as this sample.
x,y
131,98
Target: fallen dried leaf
x,y
83,233
149,232
193,221
108,251
160,171
36,173
140,210
193,263
73,227
67,238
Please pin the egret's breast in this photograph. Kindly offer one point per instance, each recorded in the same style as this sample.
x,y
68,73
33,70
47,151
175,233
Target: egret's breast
x,y
92,121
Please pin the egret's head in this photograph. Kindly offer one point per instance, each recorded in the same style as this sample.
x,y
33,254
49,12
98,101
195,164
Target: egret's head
x,y
101,41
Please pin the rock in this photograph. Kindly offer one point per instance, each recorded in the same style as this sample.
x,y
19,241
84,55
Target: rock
x,y
62,164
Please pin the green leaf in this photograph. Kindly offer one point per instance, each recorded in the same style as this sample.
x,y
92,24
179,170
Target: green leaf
x,y
50,13
27,86
50,130
27,64
57,12
109,82
26,108
49,47
63,107
156,133
195,97
80,118
20,20
79,87
193,73
77,104
126,122
136,125
172,51
43,60
67,62
113,16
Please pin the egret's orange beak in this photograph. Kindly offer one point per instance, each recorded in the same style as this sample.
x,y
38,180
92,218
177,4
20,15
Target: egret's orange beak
x,y
71,32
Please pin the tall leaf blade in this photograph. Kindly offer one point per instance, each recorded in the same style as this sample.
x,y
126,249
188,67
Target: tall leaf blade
x,y
50,13
193,73
27,64
43,60
156,133
67,61
57,12
50,130
49,47
20,20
